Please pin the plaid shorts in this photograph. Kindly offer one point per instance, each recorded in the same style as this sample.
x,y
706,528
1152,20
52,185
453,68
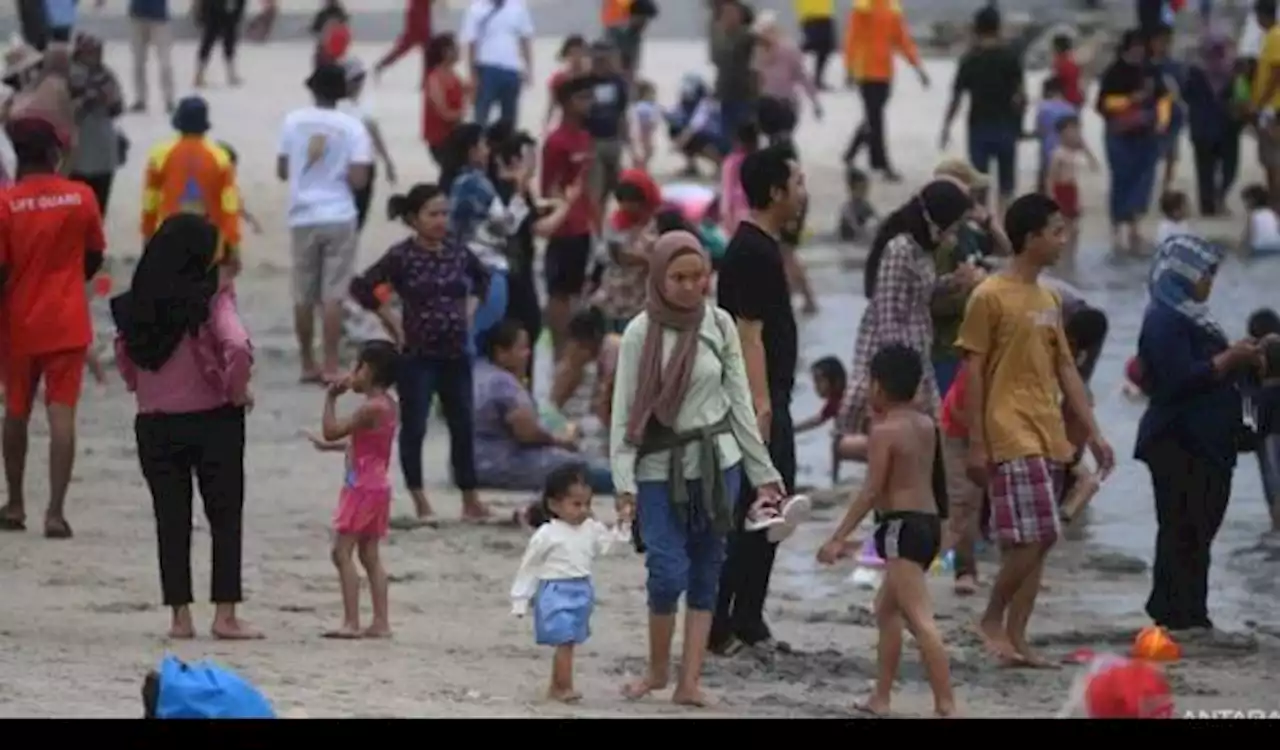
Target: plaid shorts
x,y
1024,496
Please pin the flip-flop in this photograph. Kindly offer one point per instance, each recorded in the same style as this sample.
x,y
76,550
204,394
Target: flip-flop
x,y
58,530
795,511
12,524
861,708
342,635
763,522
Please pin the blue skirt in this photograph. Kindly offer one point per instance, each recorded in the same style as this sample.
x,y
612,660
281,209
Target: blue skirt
x,y
562,612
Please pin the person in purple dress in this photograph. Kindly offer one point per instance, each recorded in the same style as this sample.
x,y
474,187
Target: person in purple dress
x,y
513,450
439,283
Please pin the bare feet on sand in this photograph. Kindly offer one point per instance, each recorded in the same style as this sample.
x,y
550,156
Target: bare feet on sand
x,y
563,695
345,633
966,586
1028,658
873,706
377,630
181,627
996,640
233,629
637,689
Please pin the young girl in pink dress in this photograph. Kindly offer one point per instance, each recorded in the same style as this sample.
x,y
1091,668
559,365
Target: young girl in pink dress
x,y
364,506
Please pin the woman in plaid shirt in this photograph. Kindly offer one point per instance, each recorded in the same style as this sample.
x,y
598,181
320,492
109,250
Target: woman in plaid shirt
x,y
900,281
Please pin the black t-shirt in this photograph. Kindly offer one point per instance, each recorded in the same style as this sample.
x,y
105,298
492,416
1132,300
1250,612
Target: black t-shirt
x,y
753,286
992,77
608,107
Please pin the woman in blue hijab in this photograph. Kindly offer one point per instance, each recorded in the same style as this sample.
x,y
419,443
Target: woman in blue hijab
x,y
1192,428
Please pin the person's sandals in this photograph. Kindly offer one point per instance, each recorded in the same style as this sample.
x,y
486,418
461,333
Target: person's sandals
x,y
8,523
57,529
779,522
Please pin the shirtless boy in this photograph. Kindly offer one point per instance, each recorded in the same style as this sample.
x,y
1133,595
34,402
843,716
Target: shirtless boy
x,y
902,449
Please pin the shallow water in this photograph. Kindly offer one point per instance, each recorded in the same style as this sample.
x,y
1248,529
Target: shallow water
x,y
1244,574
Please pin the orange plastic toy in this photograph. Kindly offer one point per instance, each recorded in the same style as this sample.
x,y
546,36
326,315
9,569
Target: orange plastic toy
x,y
1155,644
1128,690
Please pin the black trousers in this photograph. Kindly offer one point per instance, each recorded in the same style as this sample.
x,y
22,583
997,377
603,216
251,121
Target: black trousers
x,y
101,186
420,380
1191,494
364,198
875,97
34,23
523,306
220,21
1217,165
209,446
744,580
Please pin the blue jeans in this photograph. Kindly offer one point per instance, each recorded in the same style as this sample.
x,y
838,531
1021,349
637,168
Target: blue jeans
x,y
681,557
732,116
419,381
1132,160
497,87
491,311
999,144
944,372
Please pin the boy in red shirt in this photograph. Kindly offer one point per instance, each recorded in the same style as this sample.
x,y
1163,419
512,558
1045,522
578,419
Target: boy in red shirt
x,y
51,243
566,158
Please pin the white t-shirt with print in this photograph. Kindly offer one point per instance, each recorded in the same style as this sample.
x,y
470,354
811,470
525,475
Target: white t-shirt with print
x,y
497,32
319,146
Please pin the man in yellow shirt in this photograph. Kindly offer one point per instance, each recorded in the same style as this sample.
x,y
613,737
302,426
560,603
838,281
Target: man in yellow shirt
x,y
818,26
1266,96
1021,378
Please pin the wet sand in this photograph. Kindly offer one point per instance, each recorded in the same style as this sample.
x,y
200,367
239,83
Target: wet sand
x,y
86,612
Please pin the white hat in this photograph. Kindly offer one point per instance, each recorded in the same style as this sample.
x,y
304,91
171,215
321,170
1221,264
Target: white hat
x,y
20,57
766,20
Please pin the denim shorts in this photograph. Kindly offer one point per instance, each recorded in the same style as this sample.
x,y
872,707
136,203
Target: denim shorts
x,y
999,144
681,556
562,611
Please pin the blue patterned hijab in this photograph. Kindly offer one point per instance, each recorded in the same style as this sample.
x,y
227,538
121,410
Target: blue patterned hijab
x,y
1181,262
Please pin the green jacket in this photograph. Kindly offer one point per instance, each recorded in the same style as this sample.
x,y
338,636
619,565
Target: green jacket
x,y
948,303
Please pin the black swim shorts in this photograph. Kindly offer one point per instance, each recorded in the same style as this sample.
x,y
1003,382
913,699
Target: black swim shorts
x,y
909,535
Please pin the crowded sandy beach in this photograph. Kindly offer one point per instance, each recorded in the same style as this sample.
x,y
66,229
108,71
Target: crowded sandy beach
x,y
89,609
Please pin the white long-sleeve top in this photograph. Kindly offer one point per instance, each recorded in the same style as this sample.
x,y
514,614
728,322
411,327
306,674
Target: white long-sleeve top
x,y
558,551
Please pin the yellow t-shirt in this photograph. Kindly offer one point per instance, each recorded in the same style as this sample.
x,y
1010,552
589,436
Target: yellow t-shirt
x,y
809,10
1017,328
1268,58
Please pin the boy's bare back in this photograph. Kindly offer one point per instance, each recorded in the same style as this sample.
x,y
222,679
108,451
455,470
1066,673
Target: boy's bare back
x,y
912,439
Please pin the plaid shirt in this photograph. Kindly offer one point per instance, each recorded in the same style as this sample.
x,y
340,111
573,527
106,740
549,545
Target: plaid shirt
x,y
898,313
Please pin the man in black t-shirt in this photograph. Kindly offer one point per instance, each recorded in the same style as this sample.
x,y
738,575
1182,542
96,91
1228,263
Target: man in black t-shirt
x,y
991,75
753,288
607,123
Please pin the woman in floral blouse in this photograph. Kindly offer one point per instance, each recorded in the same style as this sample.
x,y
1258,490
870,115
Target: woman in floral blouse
x,y
900,282
439,282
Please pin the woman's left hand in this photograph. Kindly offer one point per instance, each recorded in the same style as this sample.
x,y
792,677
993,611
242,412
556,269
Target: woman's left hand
x,y
770,493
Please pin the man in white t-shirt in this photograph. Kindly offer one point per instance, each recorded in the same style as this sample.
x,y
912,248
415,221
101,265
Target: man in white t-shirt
x,y
326,156
498,38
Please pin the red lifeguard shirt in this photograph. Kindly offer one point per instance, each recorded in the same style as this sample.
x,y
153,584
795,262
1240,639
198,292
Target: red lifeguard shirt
x,y
566,156
48,224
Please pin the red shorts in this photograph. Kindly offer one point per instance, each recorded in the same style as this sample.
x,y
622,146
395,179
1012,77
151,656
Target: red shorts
x,y
1067,196
62,372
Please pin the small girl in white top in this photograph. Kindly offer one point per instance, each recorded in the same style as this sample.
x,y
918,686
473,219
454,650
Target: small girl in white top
x,y
1262,228
556,572
1174,209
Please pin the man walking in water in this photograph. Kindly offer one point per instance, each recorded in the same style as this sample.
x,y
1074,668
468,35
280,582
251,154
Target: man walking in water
x,y
51,242
753,288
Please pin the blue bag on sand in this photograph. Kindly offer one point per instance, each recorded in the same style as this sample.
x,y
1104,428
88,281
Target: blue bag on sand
x,y
204,690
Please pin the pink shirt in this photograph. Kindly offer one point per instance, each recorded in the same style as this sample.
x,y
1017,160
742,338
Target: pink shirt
x,y
733,199
206,371
782,73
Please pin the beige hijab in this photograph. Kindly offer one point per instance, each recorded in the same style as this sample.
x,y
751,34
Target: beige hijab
x,y
660,391
49,98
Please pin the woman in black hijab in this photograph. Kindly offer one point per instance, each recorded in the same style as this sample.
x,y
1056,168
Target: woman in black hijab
x,y
185,355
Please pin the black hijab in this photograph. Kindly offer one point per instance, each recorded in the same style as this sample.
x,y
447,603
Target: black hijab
x,y
939,205
173,284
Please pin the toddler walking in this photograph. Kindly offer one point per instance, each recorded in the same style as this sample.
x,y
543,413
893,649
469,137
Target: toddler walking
x,y
556,572
364,506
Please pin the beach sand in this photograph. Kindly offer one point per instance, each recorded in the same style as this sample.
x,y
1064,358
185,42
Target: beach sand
x,y
81,620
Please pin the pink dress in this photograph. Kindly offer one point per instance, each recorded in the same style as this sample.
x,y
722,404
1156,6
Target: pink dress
x,y
733,199
364,507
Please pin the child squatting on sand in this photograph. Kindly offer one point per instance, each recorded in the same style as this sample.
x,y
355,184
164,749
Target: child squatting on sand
x,y
364,505
556,572
902,463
